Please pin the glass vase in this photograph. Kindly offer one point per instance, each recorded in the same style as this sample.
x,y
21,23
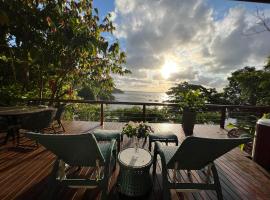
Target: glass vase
x,y
136,143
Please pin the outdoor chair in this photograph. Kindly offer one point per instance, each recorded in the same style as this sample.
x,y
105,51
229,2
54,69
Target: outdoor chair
x,y
81,150
193,154
108,135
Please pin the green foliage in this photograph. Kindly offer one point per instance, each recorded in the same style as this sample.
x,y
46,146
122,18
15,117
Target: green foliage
x,y
49,48
245,129
130,129
135,114
191,100
266,116
208,117
82,112
140,130
248,86
88,93
143,130
210,95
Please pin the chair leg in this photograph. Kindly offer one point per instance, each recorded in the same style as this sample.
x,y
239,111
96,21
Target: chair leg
x,y
118,144
166,194
104,195
216,182
155,161
150,145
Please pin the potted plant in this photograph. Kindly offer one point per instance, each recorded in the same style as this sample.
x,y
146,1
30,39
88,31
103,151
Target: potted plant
x,y
137,131
190,102
245,129
143,130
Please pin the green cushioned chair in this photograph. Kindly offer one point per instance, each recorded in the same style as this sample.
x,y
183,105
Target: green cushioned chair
x,y
108,135
81,150
193,154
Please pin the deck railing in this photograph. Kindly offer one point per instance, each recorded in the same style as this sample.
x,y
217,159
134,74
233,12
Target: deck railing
x,y
223,109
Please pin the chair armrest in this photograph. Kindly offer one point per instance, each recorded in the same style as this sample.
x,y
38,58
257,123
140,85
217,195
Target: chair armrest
x,y
110,151
158,150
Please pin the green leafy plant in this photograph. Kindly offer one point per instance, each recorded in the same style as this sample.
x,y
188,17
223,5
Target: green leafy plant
x,y
191,100
241,130
140,130
143,130
130,129
266,116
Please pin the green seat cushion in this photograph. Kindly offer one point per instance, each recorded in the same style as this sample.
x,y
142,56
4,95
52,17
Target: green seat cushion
x,y
159,136
168,151
107,134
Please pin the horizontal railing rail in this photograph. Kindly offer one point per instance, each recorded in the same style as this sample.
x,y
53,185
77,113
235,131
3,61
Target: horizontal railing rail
x,y
223,109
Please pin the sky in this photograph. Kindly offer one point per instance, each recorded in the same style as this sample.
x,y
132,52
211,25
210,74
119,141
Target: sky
x,y
199,41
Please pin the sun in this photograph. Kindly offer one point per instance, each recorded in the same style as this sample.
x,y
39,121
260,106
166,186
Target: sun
x,y
168,68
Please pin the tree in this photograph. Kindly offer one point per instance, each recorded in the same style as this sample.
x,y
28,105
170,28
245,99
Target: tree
x,y
48,48
248,86
209,94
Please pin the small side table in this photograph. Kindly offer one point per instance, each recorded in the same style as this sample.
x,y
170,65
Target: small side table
x,y
134,178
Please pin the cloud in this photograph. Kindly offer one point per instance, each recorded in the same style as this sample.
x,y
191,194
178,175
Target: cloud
x,y
231,48
203,47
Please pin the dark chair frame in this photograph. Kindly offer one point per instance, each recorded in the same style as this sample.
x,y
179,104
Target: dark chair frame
x,y
193,154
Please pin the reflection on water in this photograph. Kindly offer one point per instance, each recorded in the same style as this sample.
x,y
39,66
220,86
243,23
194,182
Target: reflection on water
x,y
136,96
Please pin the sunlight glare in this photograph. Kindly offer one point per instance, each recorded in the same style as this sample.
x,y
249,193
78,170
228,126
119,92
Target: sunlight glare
x,y
168,68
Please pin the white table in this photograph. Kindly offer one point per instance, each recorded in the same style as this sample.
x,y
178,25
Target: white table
x,y
134,178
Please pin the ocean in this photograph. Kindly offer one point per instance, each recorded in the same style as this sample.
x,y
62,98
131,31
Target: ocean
x,y
138,96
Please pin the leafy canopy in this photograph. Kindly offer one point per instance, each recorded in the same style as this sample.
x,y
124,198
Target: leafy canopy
x,y
50,48
248,86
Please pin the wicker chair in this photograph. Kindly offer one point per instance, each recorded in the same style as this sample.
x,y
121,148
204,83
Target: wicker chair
x,y
193,154
83,151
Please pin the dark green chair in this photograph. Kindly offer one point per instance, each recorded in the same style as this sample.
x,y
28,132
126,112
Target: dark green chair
x,y
81,150
193,154
108,135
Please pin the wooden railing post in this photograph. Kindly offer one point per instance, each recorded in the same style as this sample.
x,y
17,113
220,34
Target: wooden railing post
x,y
101,114
144,113
223,117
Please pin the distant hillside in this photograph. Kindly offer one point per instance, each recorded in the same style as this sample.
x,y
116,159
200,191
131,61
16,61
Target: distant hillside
x,y
117,91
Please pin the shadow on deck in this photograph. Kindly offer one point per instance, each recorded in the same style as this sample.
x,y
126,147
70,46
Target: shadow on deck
x,y
24,170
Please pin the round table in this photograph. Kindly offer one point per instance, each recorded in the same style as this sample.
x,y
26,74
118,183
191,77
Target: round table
x,y
134,178
14,115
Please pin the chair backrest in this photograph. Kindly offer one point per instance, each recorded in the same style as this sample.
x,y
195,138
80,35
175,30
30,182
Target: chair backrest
x,y
38,121
75,150
195,152
59,112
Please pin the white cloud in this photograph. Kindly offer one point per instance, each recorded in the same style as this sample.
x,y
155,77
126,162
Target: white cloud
x,y
206,50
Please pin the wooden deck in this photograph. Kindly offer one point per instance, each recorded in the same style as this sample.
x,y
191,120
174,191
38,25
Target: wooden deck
x,y
24,170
